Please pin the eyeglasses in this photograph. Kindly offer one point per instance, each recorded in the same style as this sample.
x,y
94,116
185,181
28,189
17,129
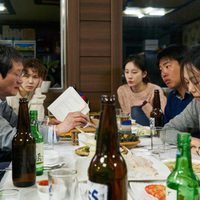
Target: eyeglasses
x,y
17,75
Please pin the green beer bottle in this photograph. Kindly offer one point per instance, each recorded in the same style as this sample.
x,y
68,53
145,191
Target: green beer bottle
x,y
39,142
182,183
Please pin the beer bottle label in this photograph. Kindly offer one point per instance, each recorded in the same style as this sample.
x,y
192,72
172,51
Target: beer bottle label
x,y
39,156
97,191
170,194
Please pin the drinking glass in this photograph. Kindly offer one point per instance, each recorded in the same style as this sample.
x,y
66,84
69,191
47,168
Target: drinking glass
x,y
118,113
49,135
63,184
9,194
158,135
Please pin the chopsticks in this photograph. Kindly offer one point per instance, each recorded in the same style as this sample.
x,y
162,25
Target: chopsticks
x,y
79,129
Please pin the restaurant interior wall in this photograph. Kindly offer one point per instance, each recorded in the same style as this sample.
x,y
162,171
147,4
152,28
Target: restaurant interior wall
x,y
181,26
94,47
93,44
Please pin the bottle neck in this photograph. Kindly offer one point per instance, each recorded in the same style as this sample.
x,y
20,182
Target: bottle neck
x,y
34,125
107,134
23,125
156,101
183,157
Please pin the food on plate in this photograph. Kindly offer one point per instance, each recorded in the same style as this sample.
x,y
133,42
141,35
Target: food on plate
x,y
43,182
156,190
170,164
128,137
43,188
130,145
140,166
128,140
143,131
195,165
85,150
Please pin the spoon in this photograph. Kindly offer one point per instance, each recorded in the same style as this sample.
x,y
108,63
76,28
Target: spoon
x,y
56,166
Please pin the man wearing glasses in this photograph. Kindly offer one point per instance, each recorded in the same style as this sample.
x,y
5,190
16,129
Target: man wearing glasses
x,y
11,68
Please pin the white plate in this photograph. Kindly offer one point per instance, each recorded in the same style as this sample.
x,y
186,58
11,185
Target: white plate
x,y
82,165
138,190
148,168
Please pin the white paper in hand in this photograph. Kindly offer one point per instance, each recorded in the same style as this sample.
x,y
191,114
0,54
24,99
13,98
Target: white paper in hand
x,y
68,101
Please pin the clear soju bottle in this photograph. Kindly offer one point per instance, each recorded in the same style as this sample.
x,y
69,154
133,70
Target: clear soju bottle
x,y
39,142
182,183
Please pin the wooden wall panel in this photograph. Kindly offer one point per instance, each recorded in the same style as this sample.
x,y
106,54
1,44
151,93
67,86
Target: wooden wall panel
x,y
94,50
116,45
94,98
50,97
95,74
95,38
95,10
72,43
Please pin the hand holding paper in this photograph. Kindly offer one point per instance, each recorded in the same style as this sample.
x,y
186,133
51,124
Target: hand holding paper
x,y
68,101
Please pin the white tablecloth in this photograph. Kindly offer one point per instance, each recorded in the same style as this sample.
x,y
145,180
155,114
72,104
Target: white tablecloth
x,y
66,154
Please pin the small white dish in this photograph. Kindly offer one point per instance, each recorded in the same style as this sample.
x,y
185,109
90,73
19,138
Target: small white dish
x,y
43,189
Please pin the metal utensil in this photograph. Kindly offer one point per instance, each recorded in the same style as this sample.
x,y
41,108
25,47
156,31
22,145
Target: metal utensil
x,y
160,179
56,166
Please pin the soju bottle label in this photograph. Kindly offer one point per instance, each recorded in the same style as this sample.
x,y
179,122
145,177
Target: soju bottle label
x,y
171,194
97,191
39,156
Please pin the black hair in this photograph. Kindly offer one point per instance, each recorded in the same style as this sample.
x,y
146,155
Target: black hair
x,y
174,51
138,60
7,56
191,59
36,65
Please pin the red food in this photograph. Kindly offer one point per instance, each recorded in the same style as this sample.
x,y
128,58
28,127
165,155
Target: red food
x,y
156,190
43,182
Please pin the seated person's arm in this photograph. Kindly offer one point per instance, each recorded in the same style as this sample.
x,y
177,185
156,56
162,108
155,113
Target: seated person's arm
x,y
7,133
8,122
182,122
72,120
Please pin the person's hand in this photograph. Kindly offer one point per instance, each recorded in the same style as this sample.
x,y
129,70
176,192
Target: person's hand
x,y
40,83
195,146
54,121
72,120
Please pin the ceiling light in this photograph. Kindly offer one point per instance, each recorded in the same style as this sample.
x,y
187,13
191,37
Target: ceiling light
x,y
2,7
146,12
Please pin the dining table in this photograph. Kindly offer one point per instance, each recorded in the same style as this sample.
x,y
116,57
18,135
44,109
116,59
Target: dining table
x,y
63,151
